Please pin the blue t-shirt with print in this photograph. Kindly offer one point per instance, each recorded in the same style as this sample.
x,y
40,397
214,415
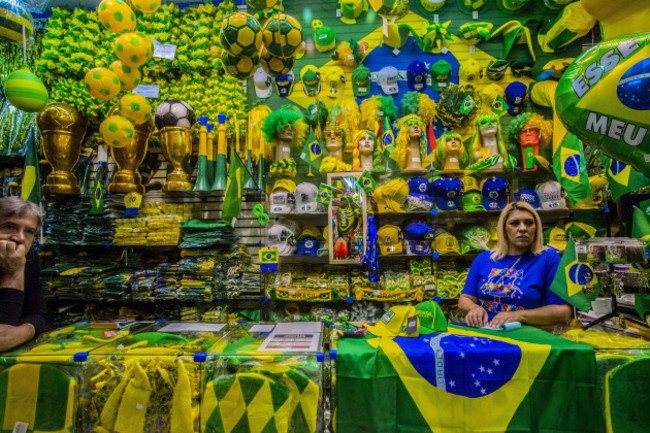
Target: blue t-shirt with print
x,y
513,282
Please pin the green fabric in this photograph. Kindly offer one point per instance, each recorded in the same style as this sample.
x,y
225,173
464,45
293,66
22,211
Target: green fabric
x,y
642,305
626,397
371,396
568,282
201,225
31,184
570,168
640,224
622,178
238,175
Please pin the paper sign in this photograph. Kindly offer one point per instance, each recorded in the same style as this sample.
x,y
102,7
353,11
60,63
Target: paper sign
x,y
472,49
396,52
436,18
444,51
385,26
338,13
261,328
401,75
20,427
102,153
148,90
475,15
163,51
411,324
428,287
192,327
277,342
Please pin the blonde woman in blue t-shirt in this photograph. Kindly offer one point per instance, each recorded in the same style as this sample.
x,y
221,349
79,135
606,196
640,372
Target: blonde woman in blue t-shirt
x,y
512,282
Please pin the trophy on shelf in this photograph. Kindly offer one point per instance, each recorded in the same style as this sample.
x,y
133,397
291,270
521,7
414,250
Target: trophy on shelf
x,y
174,119
129,157
62,128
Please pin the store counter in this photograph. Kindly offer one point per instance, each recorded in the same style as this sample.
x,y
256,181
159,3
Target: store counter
x,y
466,380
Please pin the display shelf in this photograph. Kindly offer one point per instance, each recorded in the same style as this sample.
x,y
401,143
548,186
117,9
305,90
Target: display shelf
x,y
459,216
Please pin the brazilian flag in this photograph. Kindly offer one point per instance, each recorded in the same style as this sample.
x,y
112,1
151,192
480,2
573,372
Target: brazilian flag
x,y
467,381
366,181
31,184
622,177
39,395
574,279
570,168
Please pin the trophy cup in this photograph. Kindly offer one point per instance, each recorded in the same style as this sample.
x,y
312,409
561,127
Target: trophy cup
x,y
62,128
128,158
174,119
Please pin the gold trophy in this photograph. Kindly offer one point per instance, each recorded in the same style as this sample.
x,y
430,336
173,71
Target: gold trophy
x,y
174,119
176,143
62,128
128,158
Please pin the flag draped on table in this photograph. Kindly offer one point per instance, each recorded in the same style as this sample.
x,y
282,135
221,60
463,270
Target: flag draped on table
x,y
467,381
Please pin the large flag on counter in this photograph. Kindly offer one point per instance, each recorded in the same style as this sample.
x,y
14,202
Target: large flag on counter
x,y
467,381
570,168
31,184
238,175
572,277
622,177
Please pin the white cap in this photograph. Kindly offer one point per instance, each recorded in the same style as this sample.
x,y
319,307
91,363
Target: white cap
x,y
263,84
282,235
281,202
388,80
550,195
306,198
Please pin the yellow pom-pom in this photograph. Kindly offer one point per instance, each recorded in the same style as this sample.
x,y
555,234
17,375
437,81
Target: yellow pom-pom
x,y
102,83
136,108
116,131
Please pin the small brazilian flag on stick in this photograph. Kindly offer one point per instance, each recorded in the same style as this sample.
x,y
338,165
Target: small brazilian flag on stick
x,y
499,105
324,194
468,104
573,279
366,182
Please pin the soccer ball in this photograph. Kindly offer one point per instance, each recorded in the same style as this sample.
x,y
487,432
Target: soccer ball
x,y
241,34
129,76
174,112
146,6
135,107
116,131
275,66
261,5
282,35
134,49
116,16
102,83
240,67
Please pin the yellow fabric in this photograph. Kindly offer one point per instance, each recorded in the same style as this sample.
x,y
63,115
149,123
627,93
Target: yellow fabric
x,y
441,409
619,17
575,19
133,407
181,413
605,340
24,377
544,94
232,407
208,405
109,412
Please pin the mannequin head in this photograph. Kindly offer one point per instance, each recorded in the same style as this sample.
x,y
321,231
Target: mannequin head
x,y
333,137
450,144
411,132
287,126
364,141
486,127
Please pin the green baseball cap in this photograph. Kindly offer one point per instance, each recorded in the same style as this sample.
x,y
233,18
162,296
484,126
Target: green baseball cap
x,y
512,6
361,81
431,318
496,69
440,75
473,201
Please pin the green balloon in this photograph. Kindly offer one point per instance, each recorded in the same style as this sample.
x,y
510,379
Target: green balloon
x,y
604,99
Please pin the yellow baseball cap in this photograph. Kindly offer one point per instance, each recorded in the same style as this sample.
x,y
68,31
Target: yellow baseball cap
x,y
287,184
389,238
334,82
471,184
445,243
310,231
556,238
396,321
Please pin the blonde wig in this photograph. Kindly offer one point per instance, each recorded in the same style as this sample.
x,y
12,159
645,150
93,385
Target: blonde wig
x,y
256,139
400,154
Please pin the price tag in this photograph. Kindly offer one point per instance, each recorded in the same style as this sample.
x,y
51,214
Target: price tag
x,y
292,292
475,15
338,13
395,52
429,287
436,18
323,36
411,324
401,75
20,427
132,201
351,57
647,157
102,153
365,89
385,26
375,293
148,90
296,317
442,84
444,51
472,49
163,51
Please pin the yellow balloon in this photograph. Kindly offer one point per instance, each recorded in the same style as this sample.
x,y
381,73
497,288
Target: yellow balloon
x,y
116,131
136,108
102,83
146,6
134,49
129,76
116,16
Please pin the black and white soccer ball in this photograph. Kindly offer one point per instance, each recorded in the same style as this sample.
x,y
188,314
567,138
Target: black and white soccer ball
x,y
174,112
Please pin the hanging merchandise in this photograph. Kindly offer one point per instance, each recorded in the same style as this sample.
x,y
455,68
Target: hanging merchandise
x,y
616,123
282,35
25,91
116,16
275,66
572,23
13,15
129,77
351,10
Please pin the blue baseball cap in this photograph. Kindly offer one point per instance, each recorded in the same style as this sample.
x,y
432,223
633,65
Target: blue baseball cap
x,y
416,75
284,84
416,235
515,95
308,247
495,193
529,196
447,192
419,188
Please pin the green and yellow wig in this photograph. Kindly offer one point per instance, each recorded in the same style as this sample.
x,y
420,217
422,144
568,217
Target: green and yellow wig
x,y
476,144
278,120
441,150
